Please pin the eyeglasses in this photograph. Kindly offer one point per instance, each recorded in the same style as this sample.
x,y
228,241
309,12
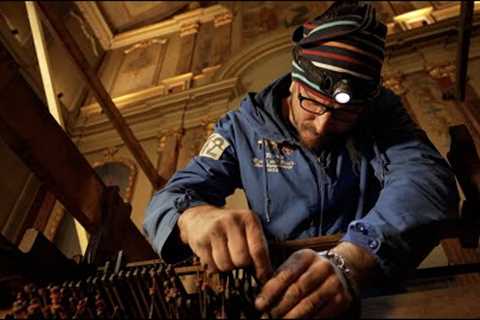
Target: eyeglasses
x,y
318,108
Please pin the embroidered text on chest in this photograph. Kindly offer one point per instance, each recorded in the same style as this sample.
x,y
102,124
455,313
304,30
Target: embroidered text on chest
x,y
275,160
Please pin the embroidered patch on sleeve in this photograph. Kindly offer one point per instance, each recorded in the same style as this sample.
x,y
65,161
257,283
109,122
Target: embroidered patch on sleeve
x,y
214,146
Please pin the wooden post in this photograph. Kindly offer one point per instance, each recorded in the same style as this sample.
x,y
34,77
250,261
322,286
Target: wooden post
x,y
32,133
102,96
454,251
464,32
43,61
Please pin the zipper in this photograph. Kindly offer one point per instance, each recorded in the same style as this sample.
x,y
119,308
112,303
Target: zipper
x,y
319,172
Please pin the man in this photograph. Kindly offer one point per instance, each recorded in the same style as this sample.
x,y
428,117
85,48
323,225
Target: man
x,y
322,150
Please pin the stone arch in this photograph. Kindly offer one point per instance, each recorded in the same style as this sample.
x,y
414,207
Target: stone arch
x,y
118,171
263,60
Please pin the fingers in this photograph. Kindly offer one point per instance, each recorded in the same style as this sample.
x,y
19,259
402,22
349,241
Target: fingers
x,y
237,245
310,280
230,239
220,252
206,259
330,299
287,274
257,247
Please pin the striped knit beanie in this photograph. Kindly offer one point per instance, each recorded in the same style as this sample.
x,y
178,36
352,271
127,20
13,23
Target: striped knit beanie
x,y
345,42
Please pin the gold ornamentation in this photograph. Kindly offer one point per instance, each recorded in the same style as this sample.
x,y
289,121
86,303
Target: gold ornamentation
x,y
394,83
442,71
163,135
209,126
162,143
109,153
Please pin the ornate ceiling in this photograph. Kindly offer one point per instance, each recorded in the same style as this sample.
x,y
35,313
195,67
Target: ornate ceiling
x,y
127,15
182,30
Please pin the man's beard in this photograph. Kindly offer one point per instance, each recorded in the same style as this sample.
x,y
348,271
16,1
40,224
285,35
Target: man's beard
x,y
313,141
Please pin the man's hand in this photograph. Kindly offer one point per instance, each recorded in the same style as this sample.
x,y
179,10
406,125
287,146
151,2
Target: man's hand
x,y
305,285
225,239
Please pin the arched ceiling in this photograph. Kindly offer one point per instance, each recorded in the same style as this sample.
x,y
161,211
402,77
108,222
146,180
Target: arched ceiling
x,y
107,28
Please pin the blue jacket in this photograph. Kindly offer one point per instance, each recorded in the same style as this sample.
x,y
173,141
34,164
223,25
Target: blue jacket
x,y
384,197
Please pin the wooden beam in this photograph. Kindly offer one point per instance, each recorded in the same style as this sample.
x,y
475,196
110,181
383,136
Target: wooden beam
x,y
28,128
32,133
43,61
52,102
102,96
464,33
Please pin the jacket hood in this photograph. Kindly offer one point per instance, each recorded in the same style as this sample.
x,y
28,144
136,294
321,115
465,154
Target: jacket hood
x,y
263,111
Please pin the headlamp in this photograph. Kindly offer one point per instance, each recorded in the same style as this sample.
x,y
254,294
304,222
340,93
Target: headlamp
x,y
342,88
342,92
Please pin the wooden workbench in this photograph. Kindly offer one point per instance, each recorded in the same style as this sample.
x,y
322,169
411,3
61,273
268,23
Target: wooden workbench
x,y
456,302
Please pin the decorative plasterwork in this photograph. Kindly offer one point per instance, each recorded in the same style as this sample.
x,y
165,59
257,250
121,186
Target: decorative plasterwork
x,y
411,19
207,72
145,44
162,143
164,134
181,82
281,41
442,71
95,19
149,110
186,23
189,28
394,83
222,19
176,24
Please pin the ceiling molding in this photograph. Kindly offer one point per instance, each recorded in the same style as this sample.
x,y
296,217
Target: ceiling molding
x,y
110,41
396,45
152,111
156,121
159,93
97,22
175,24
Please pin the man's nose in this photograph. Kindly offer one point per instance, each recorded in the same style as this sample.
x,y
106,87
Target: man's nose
x,y
321,121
